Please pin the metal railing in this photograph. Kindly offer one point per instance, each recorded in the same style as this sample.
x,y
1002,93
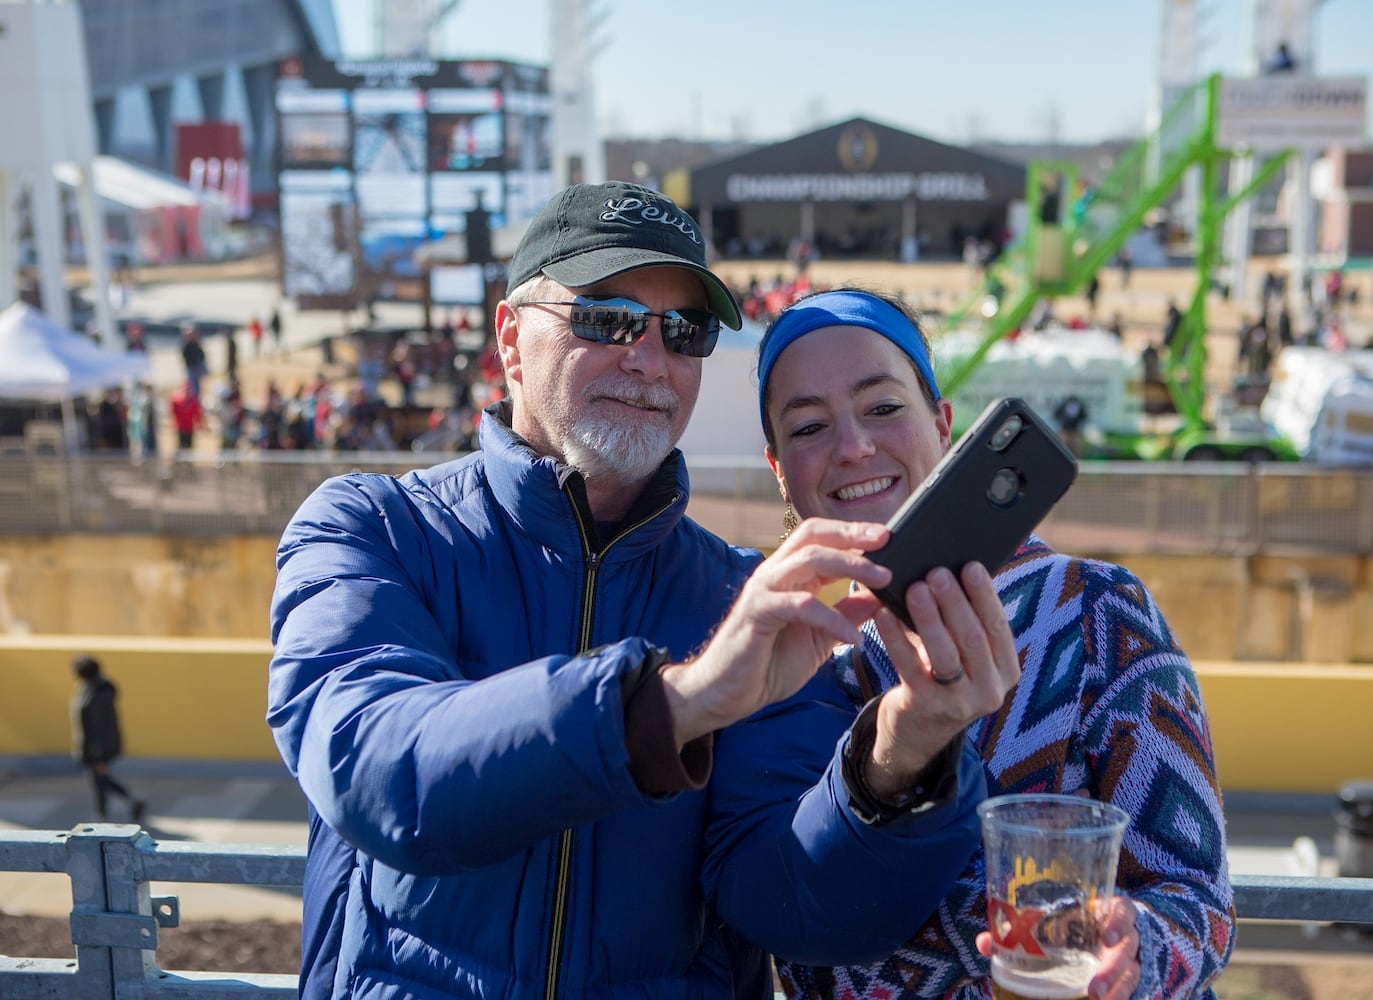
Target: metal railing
x,y
115,919
1113,506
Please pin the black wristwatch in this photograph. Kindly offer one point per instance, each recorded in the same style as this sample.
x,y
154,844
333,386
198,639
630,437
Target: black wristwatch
x,y
937,783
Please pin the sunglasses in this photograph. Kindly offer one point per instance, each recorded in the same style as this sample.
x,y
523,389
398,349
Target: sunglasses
x,y
609,320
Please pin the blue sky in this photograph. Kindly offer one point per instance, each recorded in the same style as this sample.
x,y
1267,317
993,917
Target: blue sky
x,y
1074,70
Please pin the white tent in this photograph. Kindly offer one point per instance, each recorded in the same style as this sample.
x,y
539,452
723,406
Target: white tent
x,y
162,218
43,361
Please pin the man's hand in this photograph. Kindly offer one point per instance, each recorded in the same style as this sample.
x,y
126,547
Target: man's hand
x,y
779,631
962,636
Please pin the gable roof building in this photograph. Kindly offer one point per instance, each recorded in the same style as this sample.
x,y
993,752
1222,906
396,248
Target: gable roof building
x,y
858,188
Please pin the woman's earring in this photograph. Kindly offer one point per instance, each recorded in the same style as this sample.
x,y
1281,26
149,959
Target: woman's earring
x,y
789,522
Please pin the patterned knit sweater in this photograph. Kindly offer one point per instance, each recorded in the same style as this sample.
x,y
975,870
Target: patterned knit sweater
x,y
1107,704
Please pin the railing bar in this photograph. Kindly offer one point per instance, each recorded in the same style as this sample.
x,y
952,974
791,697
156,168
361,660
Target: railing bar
x,y
1293,897
37,978
252,864
33,851
177,985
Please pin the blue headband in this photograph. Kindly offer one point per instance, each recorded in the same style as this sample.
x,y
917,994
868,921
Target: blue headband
x,y
842,308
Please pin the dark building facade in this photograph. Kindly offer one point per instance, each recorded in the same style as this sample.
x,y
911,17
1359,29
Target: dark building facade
x,y
138,52
855,189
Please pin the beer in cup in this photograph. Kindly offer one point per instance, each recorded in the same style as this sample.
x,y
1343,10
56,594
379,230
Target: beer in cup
x,y
1051,872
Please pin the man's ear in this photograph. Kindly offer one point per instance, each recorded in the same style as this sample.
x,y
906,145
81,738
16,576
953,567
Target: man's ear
x,y
507,340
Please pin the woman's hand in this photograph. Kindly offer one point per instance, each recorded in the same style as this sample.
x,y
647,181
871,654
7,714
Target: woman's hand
x,y
1120,970
955,667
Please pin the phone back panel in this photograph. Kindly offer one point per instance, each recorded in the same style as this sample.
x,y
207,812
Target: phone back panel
x,y
981,501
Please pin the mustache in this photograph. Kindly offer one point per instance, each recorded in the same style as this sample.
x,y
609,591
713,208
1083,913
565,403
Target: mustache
x,y
648,397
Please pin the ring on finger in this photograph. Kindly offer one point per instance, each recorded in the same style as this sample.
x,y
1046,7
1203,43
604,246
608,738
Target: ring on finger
x,y
951,679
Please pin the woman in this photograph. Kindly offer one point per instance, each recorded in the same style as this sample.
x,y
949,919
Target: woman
x,y
1107,705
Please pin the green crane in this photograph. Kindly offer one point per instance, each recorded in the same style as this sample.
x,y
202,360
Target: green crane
x,y
1073,230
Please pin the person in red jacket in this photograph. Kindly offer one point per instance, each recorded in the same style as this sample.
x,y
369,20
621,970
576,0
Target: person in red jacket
x,y
187,414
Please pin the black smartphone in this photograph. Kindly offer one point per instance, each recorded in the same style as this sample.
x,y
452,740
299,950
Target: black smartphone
x,y
980,502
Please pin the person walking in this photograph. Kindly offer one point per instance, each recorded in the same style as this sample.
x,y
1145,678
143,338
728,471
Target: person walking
x,y
96,738
193,354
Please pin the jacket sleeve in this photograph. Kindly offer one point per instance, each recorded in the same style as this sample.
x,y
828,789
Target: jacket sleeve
x,y
789,864
1136,736
426,769
1147,745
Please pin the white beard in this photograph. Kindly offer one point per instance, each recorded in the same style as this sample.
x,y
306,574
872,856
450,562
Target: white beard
x,y
618,449
611,450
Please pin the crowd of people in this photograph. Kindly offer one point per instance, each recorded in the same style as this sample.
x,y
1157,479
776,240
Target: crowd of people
x,y
399,391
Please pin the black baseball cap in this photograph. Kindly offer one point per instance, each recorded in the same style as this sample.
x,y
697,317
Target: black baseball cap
x,y
590,232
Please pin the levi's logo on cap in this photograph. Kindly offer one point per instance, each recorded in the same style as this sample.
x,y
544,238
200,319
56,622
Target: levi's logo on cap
x,y
636,212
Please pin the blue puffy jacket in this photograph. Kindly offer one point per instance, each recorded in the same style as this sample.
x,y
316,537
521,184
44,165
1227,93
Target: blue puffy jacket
x,y
448,685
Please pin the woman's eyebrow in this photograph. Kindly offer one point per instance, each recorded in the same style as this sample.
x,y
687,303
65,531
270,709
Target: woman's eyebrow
x,y
864,382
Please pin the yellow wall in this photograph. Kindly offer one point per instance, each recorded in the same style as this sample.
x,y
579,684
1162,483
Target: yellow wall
x,y
184,698
1275,727
1285,727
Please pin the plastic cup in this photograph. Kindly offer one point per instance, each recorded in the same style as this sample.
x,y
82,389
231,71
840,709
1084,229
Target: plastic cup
x,y
1051,872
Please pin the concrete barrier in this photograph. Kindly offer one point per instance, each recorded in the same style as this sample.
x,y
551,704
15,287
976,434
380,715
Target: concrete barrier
x,y
1276,727
198,699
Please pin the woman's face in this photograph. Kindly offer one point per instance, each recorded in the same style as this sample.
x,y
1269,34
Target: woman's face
x,y
854,434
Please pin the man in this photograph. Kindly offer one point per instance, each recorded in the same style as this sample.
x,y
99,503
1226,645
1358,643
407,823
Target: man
x,y
96,738
193,354
557,739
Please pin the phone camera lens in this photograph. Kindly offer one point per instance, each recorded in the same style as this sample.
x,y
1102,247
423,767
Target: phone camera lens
x,y
1004,490
1006,433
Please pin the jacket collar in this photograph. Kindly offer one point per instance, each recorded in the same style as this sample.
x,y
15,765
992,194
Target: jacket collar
x,y
547,499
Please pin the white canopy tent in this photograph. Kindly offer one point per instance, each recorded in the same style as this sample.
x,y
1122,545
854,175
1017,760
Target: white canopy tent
x,y
42,361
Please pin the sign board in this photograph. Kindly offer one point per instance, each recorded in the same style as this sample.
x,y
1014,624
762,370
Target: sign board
x,y
378,158
1281,112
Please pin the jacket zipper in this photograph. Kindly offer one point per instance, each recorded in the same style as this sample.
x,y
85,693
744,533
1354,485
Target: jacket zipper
x,y
563,887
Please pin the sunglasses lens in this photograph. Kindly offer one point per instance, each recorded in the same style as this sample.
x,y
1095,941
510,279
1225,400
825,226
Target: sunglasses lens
x,y
608,324
691,332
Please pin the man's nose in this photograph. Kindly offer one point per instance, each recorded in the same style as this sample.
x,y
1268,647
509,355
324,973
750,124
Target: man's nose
x,y
649,354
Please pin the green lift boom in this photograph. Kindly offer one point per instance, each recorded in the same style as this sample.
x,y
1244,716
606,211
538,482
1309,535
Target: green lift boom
x,y
1072,231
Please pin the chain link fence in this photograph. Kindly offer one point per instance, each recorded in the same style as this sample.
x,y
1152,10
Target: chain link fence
x,y
1113,507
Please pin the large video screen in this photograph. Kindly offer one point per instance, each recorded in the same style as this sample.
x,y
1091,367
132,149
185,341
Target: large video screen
x,y
379,157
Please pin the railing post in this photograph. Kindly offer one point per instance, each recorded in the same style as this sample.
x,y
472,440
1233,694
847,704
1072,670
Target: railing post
x,y
112,922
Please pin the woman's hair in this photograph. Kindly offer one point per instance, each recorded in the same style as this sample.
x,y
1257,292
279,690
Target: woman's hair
x,y
86,667
767,353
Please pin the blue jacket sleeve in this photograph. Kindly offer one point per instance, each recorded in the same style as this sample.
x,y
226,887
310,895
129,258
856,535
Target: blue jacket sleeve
x,y
426,769
790,865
